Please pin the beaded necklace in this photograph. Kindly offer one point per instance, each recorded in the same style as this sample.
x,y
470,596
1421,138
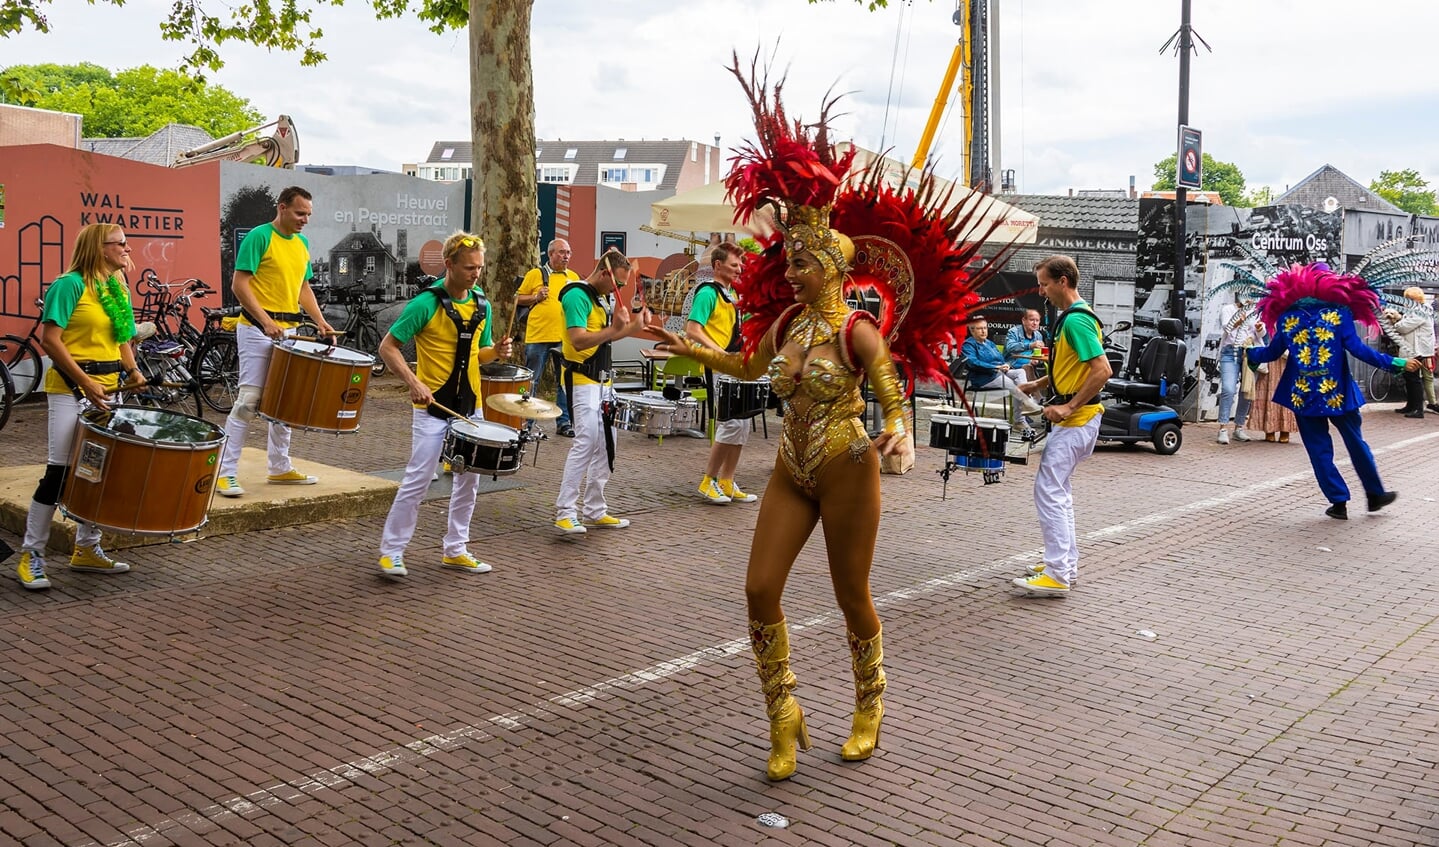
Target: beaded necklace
x,y
116,304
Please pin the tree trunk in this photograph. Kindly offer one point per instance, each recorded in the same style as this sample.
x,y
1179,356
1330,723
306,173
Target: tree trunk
x,y
502,103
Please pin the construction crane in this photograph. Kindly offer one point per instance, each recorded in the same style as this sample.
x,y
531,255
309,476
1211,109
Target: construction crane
x,y
279,149
978,21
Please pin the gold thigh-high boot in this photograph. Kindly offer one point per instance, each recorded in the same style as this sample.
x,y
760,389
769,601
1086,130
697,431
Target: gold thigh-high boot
x,y
868,661
786,718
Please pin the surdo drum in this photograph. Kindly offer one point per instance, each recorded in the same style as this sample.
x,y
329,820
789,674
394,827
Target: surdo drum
x,y
504,378
142,471
739,400
315,386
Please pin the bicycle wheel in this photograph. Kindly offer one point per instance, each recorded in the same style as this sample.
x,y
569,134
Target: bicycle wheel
x,y
1381,384
7,395
370,343
216,369
25,365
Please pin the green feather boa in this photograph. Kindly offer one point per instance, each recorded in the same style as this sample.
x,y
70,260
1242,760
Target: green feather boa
x,y
116,303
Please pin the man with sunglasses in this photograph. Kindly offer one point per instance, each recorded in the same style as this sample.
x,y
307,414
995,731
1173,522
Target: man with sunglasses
x,y
590,329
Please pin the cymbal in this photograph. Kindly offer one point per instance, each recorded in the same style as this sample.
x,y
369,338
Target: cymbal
x,y
532,408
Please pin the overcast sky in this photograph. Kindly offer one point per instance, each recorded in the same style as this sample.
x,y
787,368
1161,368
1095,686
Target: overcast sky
x,y
1087,99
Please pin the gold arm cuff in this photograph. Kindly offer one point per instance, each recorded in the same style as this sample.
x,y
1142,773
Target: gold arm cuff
x,y
884,381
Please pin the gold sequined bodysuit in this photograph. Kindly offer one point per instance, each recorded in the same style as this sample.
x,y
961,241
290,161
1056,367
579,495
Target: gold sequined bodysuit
x,y
822,409
822,403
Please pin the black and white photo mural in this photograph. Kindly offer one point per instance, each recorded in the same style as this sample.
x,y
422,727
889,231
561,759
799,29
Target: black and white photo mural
x,y
1233,237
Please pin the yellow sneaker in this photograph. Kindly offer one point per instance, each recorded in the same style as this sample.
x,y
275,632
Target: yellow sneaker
x,y
465,562
1042,585
609,522
1032,570
570,526
229,486
292,477
710,491
393,566
94,560
732,491
31,571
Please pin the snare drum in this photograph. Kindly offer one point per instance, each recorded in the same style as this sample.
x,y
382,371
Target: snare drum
x,y
953,433
649,415
504,378
739,400
142,471
686,410
482,447
314,386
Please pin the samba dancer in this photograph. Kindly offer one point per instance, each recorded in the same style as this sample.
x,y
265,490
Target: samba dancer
x,y
589,330
714,323
88,325
816,351
272,283
450,323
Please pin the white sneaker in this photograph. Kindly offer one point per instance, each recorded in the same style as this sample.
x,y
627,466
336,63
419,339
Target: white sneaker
x,y
1029,407
1241,435
1223,436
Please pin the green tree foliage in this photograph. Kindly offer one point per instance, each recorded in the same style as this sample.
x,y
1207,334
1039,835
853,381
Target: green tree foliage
x,y
132,102
1407,190
1223,178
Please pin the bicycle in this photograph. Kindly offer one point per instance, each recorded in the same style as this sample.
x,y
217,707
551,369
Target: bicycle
x,y
361,330
21,355
216,364
167,358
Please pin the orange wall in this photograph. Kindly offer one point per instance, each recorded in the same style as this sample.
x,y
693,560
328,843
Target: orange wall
x,y
170,218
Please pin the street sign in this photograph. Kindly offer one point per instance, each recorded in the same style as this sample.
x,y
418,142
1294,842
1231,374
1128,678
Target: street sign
x,y
1190,164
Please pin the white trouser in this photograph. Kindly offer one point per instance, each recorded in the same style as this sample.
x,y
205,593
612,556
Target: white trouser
x,y
732,432
254,348
64,412
427,437
587,461
1065,448
1010,384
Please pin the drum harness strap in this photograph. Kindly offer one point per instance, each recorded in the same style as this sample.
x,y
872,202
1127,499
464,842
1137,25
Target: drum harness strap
x,y
456,392
596,367
93,369
287,317
1058,398
736,343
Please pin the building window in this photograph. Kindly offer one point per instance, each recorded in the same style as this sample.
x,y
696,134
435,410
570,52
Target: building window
x,y
343,265
369,264
620,153
447,153
572,152
562,174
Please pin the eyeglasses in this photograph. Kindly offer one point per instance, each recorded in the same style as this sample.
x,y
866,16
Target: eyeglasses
x,y
121,243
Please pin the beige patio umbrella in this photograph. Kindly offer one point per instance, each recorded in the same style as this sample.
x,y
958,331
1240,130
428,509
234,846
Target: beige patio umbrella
x,y
702,209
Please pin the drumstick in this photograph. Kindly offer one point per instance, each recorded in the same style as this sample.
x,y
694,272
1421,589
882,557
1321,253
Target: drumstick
x,y
447,410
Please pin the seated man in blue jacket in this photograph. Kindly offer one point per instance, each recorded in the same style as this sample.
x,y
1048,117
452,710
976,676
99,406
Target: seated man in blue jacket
x,y
987,369
1022,346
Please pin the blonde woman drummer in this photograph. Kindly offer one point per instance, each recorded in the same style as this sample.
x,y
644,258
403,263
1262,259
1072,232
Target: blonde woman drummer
x,y
88,324
450,323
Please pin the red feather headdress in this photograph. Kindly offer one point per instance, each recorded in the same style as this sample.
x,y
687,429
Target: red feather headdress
x,y
906,240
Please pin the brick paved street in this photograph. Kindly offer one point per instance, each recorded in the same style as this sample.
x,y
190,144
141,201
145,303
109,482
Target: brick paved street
x,y
270,688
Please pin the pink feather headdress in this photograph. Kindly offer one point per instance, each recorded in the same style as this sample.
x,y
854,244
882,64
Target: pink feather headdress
x,y
1316,281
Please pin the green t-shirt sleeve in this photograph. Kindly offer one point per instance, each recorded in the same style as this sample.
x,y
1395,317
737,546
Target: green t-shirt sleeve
x,y
61,298
487,337
1081,333
252,249
415,315
577,305
703,305
309,266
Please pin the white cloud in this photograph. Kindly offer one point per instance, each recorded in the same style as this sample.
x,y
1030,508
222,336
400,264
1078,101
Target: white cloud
x,y
1087,97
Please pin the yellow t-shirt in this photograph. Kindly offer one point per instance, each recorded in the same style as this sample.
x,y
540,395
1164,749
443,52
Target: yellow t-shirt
x,y
582,313
1079,340
86,331
279,264
435,337
546,324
